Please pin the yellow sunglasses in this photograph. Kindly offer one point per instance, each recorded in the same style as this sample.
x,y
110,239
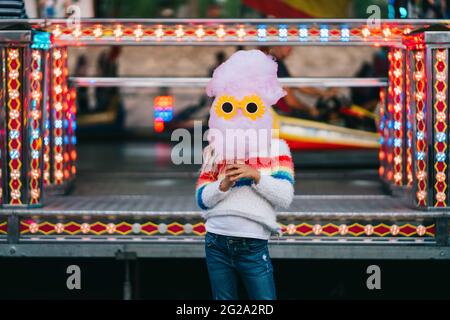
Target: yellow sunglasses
x,y
252,107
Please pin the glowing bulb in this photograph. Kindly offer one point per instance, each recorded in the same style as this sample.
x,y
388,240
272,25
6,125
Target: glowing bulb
x,y
85,228
77,32
303,33
440,176
343,229
440,116
365,32
440,96
345,34
290,229
118,31
57,54
241,33
397,55
421,230
220,32
98,32
368,229
317,229
421,195
57,72
418,76
159,32
179,31
440,55
33,227
110,228
57,31
59,227
394,229
13,54
14,74
440,76
262,31
138,32
200,32
283,31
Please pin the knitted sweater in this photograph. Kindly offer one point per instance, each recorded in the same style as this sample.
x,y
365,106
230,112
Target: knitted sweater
x,y
257,202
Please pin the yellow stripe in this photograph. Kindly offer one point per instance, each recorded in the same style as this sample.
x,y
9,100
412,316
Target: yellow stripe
x,y
321,8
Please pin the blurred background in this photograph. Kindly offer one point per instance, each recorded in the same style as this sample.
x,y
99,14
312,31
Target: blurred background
x,y
131,111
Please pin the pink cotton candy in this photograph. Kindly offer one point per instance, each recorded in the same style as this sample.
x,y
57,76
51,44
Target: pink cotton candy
x,y
245,73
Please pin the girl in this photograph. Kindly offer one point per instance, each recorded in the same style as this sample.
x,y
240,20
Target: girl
x,y
246,175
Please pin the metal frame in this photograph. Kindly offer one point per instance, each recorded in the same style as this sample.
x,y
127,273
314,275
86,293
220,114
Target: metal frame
x,y
389,33
223,31
197,82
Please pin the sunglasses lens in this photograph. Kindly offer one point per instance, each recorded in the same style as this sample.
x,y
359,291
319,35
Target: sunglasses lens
x,y
227,107
251,107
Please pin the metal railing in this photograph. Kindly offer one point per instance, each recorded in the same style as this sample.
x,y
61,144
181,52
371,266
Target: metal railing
x,y
196,82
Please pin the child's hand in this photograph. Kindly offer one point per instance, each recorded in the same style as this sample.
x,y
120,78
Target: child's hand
x,y
238,171
226,184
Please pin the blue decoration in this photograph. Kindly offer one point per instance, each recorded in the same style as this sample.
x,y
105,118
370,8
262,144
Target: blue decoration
x,y
440,156
41,40
420,155
303,33
282,32
441,137
262,32
345,33
323,33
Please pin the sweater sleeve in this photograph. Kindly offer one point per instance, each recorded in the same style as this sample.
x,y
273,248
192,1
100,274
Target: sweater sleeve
x,y
278,186
208,193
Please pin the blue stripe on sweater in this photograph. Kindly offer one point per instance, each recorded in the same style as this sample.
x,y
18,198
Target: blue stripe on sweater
x,y
243,182
200,202
284,176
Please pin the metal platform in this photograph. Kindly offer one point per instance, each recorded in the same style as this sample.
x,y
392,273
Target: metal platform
x,y
338,207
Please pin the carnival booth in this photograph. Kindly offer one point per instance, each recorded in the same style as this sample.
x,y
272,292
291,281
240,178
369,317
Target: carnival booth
x,y
38,150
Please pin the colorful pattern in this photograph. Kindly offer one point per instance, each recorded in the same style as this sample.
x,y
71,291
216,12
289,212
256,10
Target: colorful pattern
x,y
440,127
280,167
14,127
384,135
71,132
210,31
389,154
398,109
47,121
57,113
408,124
358,229
175,228
3,227
34,123
421,129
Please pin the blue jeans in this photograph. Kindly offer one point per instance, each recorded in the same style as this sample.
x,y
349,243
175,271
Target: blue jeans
x,y
227,257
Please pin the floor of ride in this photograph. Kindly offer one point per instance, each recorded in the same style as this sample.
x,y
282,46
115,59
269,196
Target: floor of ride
x,y
141,178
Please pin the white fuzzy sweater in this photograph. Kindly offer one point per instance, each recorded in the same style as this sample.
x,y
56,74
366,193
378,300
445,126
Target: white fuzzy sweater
x,y
257,202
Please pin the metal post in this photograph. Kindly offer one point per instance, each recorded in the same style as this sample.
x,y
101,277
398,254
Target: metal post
x,y
442,231
13,228
127,257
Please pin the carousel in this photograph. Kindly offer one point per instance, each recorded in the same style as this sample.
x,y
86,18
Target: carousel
x,y
39,217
